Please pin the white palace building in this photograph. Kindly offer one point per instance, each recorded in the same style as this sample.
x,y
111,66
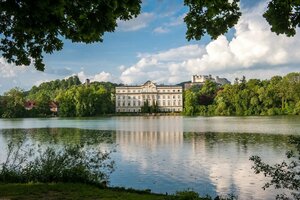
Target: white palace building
x,y
168,98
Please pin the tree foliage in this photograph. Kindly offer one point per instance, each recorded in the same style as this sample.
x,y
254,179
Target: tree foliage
x,y
30,28
13,103
73,99
285,175
277,96
210,17
216,17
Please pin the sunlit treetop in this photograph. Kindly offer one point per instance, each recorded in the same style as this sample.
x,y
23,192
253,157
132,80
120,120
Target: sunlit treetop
x,y
216,17
30,28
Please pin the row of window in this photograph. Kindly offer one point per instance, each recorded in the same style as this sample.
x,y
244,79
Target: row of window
x,y
159,103
138,91
139,110
150,97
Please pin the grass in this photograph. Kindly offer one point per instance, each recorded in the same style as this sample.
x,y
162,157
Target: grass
x,y
69,191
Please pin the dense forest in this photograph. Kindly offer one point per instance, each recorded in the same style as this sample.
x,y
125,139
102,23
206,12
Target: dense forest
x,y
277,96
73,98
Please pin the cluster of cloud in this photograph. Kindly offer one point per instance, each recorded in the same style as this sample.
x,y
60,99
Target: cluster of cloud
x,y
141,21
99,77
166,27
254,51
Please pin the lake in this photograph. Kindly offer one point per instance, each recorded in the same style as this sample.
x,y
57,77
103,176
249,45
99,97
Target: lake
x,y
209,155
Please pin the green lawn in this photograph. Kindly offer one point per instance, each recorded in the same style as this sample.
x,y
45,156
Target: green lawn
x,y
69,191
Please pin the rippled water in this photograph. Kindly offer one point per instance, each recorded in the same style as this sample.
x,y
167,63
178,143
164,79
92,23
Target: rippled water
x,y
167,154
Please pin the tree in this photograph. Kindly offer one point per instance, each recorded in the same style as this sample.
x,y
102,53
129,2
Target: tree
x,y
216,17
30,28
285,175
13,102
211,17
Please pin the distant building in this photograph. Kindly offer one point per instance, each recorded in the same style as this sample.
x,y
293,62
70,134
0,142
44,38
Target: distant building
x,y
29,105
168,98
53,106
201,79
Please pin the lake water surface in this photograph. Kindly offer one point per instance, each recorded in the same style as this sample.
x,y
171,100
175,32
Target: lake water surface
x,y
209,155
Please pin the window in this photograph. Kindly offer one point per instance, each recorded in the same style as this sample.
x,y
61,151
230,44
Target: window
x,y
123,97
129,97
173,96
178,90
128,103
173,90
119,97
164,102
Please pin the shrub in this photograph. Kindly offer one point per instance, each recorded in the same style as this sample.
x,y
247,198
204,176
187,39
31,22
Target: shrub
x,y
66,164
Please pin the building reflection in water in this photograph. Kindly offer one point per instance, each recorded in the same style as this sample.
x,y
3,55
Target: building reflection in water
x,y
151,132
157,154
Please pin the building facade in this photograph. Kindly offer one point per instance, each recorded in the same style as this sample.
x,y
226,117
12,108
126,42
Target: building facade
x,y
201,79
132,98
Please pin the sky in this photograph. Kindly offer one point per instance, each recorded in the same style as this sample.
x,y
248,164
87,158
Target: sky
x,y
153,47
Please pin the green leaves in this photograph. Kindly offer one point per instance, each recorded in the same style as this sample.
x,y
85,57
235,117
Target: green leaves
x,y
283,16
212,17
283,175
28,29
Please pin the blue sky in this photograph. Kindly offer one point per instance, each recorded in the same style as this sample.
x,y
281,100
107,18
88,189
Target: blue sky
x,y
153,47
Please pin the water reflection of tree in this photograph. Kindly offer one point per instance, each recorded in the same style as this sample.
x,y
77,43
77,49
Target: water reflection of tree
x,y
242,140
62,136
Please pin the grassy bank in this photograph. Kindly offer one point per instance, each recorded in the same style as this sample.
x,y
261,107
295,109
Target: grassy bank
x,y
69,191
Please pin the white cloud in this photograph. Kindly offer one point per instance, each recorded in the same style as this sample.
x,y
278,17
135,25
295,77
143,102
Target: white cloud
x,y
7,70
177,21
161,29
254,51
166,27
122,68
102,76
137,23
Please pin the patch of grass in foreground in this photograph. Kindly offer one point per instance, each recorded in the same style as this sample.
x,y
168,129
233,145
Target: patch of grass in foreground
x,y
69,191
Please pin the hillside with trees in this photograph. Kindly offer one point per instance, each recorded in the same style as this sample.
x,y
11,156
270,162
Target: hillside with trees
x,y
73,98
277,96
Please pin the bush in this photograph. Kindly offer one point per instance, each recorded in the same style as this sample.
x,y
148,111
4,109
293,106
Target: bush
x,y
67,164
